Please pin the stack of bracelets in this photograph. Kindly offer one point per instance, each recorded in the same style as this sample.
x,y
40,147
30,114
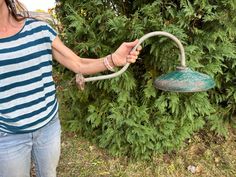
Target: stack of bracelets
x,y
107,64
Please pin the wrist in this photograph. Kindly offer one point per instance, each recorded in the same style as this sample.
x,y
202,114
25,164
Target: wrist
x,y
117,60
111,61
109,64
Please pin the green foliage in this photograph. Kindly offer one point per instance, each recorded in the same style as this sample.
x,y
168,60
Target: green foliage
x,y
126,114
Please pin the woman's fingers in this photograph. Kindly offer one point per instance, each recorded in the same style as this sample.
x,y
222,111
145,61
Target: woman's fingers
x,y
139,48
123,55
134,53
131,58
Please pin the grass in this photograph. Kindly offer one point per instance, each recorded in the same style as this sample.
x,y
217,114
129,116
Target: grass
x,y
209,155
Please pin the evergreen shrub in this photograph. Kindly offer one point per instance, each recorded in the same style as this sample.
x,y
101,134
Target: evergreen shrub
x,y
126,115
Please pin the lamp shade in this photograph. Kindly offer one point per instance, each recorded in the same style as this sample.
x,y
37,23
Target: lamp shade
x,y
184,80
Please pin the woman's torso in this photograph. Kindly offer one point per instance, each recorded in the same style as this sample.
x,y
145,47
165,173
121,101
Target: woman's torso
x,y
27,91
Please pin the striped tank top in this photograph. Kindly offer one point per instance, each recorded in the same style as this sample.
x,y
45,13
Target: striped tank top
x,y
27,91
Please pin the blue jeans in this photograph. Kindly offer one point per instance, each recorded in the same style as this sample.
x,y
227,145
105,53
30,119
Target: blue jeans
x,y
43,146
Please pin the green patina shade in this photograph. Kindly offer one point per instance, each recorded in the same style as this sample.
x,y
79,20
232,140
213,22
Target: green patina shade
x,y
184,80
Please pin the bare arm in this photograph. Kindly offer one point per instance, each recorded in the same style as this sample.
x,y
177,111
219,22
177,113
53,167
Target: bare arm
x,y
70,60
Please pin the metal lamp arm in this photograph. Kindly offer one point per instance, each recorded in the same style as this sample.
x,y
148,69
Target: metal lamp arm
x,y
155,33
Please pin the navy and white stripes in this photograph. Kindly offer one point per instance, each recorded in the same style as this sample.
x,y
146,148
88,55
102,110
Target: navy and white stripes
x,y
27,91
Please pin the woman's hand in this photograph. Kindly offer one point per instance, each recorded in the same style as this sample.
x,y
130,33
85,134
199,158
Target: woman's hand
x,y
123,54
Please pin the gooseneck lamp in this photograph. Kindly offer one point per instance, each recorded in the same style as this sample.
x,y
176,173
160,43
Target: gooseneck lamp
x,y
182,80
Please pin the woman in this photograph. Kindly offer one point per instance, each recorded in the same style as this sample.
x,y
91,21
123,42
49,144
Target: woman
x,y
29,124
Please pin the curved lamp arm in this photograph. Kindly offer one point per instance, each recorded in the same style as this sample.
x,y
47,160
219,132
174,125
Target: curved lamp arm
x,y
155,33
